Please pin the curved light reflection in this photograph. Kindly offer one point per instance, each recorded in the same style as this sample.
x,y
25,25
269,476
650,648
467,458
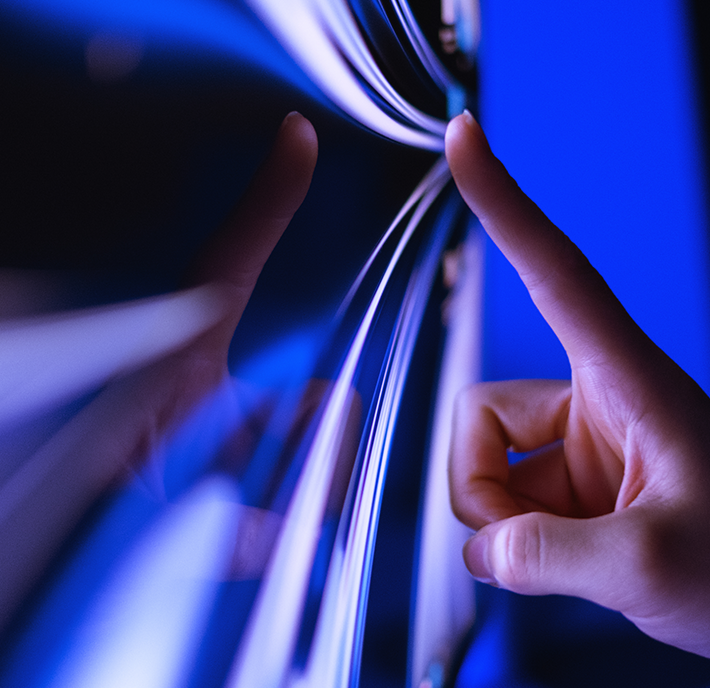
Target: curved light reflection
x,y
443,613
265,653
145,627
336,651
323,38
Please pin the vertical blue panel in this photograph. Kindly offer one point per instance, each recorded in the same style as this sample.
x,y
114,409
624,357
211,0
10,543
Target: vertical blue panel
x,y
591,107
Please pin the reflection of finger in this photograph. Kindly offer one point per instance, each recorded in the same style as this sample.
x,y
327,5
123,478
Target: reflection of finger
x,y
491,418
239,250
287,427
570,294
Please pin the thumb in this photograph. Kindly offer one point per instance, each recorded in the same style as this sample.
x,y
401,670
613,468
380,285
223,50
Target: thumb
x,y
599,559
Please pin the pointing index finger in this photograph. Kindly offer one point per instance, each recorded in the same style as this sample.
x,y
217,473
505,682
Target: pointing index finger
x,y
237,252
235,255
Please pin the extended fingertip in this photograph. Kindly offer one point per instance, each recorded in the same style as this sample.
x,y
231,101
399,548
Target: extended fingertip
x,y
464,132
466,119
454,129
467,152
297,128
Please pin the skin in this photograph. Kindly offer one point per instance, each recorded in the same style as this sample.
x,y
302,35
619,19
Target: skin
x,y
111,436
613,503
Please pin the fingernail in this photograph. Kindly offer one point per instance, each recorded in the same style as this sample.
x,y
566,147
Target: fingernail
x,y
468,116
477,561
290,116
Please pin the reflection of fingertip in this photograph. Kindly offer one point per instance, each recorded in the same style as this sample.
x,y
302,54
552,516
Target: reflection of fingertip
x,y
308,132
293,119
302,129
293,115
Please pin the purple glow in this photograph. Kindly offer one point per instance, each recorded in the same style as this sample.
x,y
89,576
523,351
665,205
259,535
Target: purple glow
x,y
444,611
336,650
49,359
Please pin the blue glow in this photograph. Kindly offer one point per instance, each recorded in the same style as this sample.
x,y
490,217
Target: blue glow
x,y
39,651
488,663
58,622
180,25
265,654
591,108
144,627
113,339
286,362
592,112
518,343
203,20
324,40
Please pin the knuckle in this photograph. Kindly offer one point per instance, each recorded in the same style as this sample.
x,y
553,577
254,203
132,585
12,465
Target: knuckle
x,y
458,506
466,399
465,508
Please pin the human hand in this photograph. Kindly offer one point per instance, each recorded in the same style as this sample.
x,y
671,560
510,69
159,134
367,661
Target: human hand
x,y
42,502
613,504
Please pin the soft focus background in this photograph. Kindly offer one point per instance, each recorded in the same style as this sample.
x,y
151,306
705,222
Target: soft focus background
x,y
129,131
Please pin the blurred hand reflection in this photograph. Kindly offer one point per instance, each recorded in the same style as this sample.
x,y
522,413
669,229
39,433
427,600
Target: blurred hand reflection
x,y
41,504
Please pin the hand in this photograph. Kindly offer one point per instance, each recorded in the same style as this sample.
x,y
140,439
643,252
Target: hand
x,y
43,501
613,504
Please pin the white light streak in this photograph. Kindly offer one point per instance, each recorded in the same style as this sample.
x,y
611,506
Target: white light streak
x,y
336,650
264,656
146,626
428,57
50,359
322,36
439,170
445,594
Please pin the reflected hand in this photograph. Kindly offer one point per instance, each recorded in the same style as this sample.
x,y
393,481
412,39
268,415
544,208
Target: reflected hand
x,y
613,504
229,266
43,501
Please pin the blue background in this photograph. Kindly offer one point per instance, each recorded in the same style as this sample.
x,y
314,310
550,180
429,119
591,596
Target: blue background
x,y
593,109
